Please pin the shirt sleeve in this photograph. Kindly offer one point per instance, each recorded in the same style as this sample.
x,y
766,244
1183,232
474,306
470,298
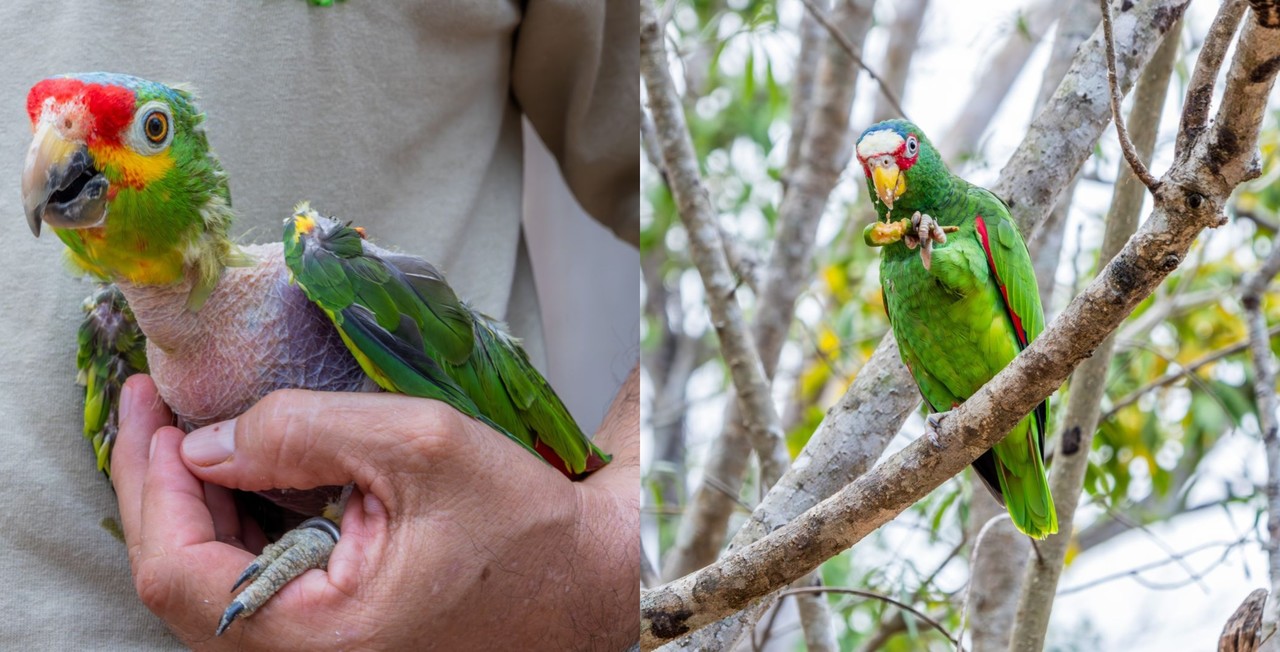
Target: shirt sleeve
x,y
575,74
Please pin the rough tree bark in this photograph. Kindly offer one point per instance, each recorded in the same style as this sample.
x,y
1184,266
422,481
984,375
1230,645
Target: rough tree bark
x,y
856,430
1240,633
1088,384
823,153
1190,198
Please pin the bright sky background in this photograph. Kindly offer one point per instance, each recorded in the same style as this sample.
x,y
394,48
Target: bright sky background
x,y
957,39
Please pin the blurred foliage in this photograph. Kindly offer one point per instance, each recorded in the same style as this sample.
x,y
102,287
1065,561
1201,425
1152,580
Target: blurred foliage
x,y
733,66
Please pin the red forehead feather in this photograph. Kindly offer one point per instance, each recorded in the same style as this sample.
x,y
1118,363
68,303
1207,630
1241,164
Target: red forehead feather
x,y
111,107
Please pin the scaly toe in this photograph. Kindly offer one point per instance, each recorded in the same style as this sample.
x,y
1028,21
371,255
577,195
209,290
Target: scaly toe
x,y
931,425
299,550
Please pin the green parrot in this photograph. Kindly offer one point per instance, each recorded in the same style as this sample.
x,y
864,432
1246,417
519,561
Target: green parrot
x,y
964,306
120,168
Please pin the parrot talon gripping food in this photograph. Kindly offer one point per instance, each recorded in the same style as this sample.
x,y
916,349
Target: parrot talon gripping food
x,y
963,306
121,171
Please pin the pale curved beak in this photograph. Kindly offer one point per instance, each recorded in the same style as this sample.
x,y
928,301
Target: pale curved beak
x,y
60,184
889,182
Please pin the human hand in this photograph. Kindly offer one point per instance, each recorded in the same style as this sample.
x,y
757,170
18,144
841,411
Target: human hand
x,y
453,538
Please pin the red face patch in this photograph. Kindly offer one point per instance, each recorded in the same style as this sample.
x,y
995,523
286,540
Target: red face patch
x,y
108,110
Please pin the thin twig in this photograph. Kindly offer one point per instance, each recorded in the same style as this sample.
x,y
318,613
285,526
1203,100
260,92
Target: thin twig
x,y
1160,543
875,596
853,53
1178,557
1126,145
1184,370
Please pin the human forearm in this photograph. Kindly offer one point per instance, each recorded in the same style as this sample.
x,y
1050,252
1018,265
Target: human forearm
x,y
608,529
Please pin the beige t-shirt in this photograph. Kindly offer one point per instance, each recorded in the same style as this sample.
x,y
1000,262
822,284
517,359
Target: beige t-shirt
x,y
403,115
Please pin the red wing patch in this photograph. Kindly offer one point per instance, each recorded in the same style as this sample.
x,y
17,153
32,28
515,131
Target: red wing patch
x,y
1004,291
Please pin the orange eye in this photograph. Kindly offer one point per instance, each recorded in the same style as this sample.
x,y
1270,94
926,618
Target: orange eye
x,y
156,126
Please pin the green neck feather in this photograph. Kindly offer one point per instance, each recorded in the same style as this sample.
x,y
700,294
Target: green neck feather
x,y
169,231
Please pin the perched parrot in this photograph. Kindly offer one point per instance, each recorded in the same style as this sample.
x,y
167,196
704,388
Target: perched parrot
x,y
962,307
121,170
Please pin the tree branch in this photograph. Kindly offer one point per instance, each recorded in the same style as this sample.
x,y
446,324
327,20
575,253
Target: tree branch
x,y
1264,391
995,573
854,53
815,616
743,262
824,152
1122,132
857,429
1242,629
904,36
1199,100
924,617
1184,370
1190,199
961,140
706,248
1088,384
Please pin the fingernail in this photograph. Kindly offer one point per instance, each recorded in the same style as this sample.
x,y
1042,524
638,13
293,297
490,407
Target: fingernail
x,y
126,401
211,444
151,454
374,506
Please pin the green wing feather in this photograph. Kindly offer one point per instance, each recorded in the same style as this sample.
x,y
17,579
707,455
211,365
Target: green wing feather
x,y
413,335
111,348
1019,457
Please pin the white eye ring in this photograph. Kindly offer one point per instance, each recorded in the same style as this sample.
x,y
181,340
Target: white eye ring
x,y
137,134
912,146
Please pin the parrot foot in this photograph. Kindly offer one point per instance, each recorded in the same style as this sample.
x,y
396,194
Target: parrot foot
x,y
923,233
931,425
299,550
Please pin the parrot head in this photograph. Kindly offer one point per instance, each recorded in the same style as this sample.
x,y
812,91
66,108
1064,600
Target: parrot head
x,y
902,167
120,168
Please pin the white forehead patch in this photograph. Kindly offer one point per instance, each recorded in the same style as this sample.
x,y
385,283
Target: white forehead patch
x,y
884,141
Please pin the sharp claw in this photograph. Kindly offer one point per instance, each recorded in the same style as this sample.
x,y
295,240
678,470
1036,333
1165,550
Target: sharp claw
x,y
299,550
248,574
931,424
229,616
927,231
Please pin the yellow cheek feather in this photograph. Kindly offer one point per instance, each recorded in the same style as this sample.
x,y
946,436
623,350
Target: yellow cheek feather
x,y
107,247
136,170
136,264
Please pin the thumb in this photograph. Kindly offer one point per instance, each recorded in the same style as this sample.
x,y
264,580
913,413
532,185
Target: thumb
x,y
300,439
